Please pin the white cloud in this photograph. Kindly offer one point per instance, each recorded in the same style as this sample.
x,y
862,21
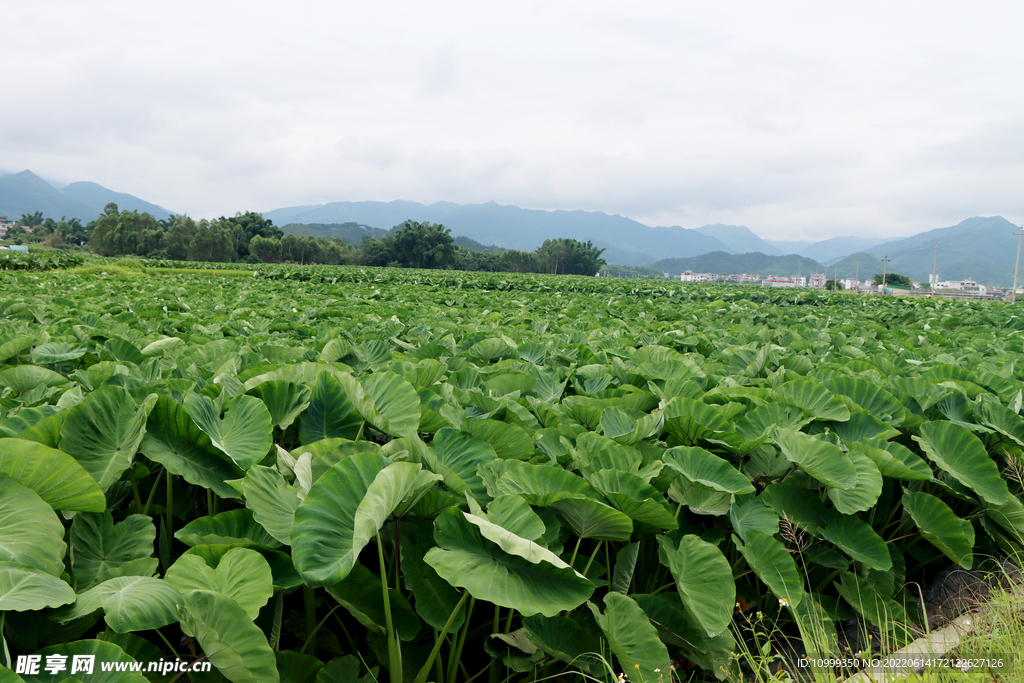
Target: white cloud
x,y
798,119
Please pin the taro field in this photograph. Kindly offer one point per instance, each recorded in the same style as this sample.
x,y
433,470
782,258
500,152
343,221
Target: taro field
x,y
343,474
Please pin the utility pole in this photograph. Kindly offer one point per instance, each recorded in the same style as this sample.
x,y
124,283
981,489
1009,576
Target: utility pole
x,y
1016,268
857,277
885,266
935,265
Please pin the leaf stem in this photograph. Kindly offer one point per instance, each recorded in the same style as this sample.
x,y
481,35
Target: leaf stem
x,y
592,556
456,654
572,561
169,516
135,489
167,643
275,629
309,602
421,677
152,492
312,636
394,657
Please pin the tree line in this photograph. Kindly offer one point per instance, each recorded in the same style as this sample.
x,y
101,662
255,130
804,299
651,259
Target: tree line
x,y
250,238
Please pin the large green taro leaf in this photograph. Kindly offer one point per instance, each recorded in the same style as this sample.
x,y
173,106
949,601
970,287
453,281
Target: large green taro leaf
x,y
773,564
632,637
24,378
634,497
46,431
508,440
284,400
245,434
689,421
567,641
495,565
871,397
1003,420
941,527
57,477
330,414
516,515
895,460
704,580
824,461
924,392
272,501
815,399
588,518
102,550
857,539
344,509
707,469
284,574
762,419
229,638
173,440
957,451
455,455
864,493
30,532
752,514
234,527
24,588
543,485
863,426
241,574
129,603
386,401
791,500
104,431
99,650
53,353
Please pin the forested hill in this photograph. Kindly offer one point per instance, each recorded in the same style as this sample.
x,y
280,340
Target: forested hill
x,y
754,262
353,233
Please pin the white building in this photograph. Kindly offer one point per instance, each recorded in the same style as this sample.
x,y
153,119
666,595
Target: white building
x,y
966,285
778,282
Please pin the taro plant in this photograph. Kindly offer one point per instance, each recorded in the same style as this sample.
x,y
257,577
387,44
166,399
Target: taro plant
x,y
339,474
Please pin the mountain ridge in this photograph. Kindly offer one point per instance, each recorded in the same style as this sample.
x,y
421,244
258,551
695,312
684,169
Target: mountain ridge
x,y
512,227
25,192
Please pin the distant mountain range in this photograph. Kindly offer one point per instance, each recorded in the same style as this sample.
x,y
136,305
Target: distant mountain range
x,y
982,248
26,192
722,263
626,241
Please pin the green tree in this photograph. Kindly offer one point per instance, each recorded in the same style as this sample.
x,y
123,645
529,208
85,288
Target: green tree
x,y
374,252
569,257
266,249
31,220
179,237
516,261
424,245
249,224
894,279
833,284
119,233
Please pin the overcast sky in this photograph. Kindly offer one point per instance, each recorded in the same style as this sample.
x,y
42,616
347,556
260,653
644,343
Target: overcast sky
x,y
801,120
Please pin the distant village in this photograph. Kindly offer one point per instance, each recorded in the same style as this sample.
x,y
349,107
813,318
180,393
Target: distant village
x,y
966,288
